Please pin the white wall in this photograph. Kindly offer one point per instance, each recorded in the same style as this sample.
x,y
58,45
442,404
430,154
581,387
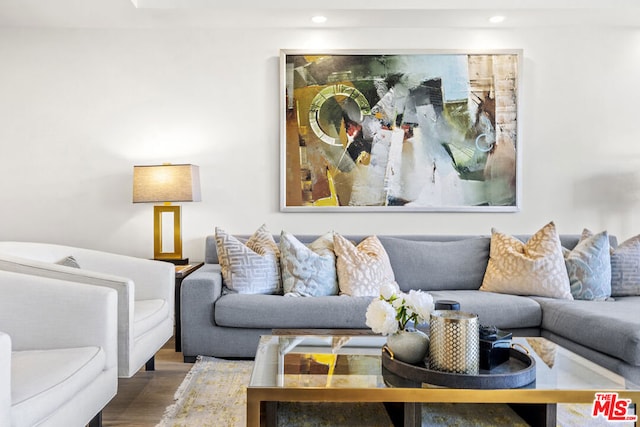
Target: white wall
x,y
78,108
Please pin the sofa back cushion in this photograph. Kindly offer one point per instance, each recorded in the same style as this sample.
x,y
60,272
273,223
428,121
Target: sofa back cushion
x,y
409,260
211,254
438,265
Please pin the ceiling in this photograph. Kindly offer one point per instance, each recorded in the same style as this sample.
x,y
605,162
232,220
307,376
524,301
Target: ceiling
x,y
297,13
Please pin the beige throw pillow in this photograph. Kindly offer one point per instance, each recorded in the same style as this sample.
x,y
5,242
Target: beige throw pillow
x,y
362,269
533,268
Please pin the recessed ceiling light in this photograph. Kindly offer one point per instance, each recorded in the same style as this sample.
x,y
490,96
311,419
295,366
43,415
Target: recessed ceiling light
x,y
319,19
496,19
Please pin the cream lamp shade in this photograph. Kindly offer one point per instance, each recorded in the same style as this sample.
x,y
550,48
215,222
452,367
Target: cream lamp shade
x,y
165,184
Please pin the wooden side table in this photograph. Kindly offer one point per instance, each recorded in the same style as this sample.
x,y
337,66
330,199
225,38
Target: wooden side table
x,y
182,271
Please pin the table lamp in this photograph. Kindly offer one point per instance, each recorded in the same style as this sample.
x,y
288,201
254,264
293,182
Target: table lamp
x,y
166,183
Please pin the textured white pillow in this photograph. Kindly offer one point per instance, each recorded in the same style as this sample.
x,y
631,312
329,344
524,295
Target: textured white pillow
x,y
362,269
251,268
308,270
533,268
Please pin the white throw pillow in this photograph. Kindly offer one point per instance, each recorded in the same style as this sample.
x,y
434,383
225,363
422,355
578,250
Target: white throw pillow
x,y
251,268
362,269
533,268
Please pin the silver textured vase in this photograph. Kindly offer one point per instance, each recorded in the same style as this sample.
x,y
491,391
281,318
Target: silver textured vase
x,y
410,346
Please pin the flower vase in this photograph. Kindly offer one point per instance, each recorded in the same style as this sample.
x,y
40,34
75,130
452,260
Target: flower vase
x,y
409,346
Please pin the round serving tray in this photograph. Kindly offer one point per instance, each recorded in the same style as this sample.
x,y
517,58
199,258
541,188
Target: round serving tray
x,y
518,371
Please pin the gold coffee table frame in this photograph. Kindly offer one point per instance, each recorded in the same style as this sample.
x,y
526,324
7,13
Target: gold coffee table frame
x,y
561,377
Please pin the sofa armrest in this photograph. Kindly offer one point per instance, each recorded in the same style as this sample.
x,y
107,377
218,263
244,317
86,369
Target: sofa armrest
x,y
5,379
206,281
40,313
198,294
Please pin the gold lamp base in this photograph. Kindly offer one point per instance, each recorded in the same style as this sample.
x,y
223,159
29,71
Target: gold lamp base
x,y
167,238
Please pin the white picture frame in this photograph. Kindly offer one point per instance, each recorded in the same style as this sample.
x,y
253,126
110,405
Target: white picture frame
x,y
400,131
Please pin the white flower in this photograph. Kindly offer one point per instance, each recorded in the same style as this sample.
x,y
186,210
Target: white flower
x,y
388,290
381,317
396,311
421,303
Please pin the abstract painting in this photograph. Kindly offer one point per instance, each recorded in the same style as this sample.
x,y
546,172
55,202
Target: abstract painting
x,y
407,131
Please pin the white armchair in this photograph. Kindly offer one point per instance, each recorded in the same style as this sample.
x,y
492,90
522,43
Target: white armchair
x,y
145,289
58,351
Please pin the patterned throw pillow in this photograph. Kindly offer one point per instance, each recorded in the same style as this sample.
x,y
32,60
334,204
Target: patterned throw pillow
x,y
308,270
251,268
625,268
532,268
589,267
362,269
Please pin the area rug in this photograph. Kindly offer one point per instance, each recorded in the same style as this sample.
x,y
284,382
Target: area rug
x,y
213,394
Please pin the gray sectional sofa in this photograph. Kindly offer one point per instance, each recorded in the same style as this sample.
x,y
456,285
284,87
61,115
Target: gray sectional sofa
x,y
449,267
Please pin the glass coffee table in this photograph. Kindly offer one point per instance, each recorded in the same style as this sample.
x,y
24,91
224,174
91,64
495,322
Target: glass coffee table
x,y
347,368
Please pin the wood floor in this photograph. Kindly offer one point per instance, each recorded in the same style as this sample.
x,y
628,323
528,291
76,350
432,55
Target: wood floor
x,y
142,399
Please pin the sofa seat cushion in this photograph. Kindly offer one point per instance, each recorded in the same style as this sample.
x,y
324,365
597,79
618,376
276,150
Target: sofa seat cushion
x,y
44,380
612,327
279,312
148,314
502,310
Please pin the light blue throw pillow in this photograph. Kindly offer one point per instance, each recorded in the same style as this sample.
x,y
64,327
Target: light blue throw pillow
x,y
308,270
589,267
625,268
